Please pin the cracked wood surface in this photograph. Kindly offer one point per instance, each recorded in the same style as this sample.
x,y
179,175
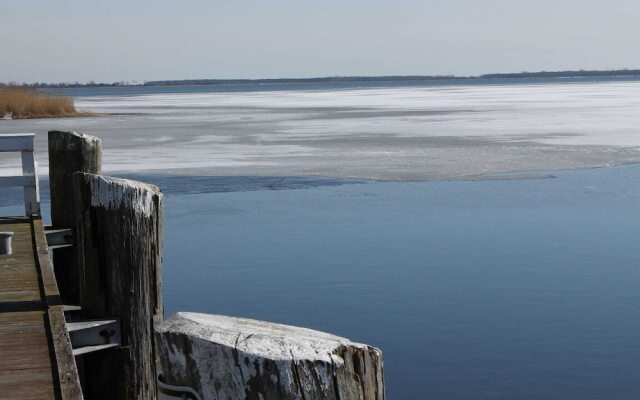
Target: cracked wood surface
x,y
69,152
119,247
235,358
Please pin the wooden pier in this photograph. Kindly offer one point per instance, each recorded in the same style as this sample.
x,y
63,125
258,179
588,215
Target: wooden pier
x,y
36,358
91,323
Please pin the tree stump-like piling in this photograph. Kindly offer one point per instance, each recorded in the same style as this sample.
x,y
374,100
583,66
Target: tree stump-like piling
x,y
119,236
235,358
69,152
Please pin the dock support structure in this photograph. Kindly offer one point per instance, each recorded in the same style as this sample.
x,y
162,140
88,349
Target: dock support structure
x,y
119,246
69,152
114,273
221,357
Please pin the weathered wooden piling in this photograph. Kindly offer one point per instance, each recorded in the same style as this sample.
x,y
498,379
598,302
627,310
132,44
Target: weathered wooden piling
x,y
69,152
119,245
234,358
115,273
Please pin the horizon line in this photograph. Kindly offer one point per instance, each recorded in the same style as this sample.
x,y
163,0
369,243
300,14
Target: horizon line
x,y
335,78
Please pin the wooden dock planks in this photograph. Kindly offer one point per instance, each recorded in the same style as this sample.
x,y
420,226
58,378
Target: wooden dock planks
x,y
36,360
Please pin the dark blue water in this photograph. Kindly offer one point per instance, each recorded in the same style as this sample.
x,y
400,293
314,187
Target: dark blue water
x,y
507,289
522,289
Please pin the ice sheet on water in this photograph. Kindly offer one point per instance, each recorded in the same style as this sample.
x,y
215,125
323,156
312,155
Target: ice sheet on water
x,y
390,133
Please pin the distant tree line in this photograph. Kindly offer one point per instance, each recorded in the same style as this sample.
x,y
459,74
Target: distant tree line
x,y
339,79
395,78
328,79
565,74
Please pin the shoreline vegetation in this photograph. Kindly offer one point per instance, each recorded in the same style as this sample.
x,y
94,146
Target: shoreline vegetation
x,y
618,73
26,103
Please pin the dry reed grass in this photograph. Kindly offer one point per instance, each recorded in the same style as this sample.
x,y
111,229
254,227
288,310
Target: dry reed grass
x,y
28,103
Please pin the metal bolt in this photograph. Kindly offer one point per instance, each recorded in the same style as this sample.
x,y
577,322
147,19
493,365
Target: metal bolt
x,y
107,333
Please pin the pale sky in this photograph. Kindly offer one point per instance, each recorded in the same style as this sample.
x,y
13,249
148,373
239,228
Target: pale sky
x,y
82,40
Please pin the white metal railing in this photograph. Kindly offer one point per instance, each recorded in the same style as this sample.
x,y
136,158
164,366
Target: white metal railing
x,y
23,143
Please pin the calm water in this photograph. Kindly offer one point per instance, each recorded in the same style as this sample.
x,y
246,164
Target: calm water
x,y
505,289
519,289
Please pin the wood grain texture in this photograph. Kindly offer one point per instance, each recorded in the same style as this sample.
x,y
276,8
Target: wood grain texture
x,y
66,369
36,360
69,152
119,245
47,276
235,358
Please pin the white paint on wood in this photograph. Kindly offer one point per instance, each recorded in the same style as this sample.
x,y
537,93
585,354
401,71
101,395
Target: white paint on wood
x,y
16,142
23,143
32,198
20,180
31,192
227,357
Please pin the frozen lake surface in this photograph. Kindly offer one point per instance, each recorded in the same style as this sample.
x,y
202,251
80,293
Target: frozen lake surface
x,y
391,133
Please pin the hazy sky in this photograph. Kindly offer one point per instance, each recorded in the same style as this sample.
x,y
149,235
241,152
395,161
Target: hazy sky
x,y
69,40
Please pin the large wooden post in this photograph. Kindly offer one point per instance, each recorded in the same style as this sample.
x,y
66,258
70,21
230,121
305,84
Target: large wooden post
x,y
221,357
69,152
119,237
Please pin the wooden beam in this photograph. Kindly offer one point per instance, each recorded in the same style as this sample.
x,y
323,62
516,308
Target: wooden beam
x,y
67,371
31,192
19,180
16,142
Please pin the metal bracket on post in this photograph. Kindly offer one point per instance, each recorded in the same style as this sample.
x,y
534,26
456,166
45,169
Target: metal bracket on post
x,y
89,336
174,392
58,238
